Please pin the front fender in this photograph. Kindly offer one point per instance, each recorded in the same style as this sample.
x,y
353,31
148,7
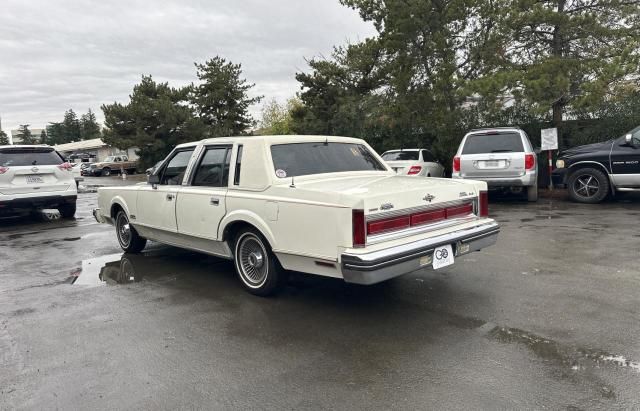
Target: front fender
x,y
248,217
118,200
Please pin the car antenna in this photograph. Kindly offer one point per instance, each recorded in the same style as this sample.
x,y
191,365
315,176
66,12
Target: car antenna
x,y
293,183
326,140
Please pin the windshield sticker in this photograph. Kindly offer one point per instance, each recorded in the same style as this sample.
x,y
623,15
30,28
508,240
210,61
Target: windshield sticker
x,y
281,173
355,151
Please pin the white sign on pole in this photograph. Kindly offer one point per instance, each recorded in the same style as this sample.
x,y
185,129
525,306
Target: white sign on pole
x,y
549,139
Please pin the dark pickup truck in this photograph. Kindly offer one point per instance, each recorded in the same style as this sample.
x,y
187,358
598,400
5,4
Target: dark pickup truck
x,y
593,171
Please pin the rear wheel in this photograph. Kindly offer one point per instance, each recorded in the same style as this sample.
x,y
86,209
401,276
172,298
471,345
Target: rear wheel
x,y
588,185
258,268
67,210
128,237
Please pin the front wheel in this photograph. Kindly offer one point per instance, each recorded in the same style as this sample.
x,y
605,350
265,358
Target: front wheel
x,y
67,210
588,185
106,172
128,237
258,268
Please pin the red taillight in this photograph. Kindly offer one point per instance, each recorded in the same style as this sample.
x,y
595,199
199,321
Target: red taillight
x,y
358,227
459,210
414,170
483,204
3,169
529,161
388,224
456,164
65,166
428,217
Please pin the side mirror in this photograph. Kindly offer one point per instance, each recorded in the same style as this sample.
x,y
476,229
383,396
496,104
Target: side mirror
x,y
154,180
629,139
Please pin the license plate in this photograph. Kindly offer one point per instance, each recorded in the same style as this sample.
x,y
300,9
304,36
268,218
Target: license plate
x,y
34,180
442,256
492,163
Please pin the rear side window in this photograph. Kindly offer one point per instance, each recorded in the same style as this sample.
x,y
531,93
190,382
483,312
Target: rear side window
x,y
30,157
493,143
428,157
400,156
236,176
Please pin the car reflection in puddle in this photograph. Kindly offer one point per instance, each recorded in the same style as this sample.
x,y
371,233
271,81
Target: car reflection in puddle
x,y
108,269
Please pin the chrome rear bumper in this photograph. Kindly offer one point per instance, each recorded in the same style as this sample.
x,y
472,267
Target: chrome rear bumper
x,y
377,266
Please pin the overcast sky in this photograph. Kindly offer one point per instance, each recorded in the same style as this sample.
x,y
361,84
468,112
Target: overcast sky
x,y
56,55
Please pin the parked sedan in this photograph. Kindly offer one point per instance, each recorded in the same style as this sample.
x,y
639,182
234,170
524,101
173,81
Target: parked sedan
x,y
414,162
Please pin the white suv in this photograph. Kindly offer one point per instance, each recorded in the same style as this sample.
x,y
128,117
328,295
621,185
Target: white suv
x,y
33,178
502,157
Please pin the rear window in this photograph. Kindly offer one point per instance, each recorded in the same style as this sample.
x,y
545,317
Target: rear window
x,y
400,155
493,143
29,157
301,159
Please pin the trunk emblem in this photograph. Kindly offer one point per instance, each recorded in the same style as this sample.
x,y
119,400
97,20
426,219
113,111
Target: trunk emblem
x,y
386,206
34,169
429,198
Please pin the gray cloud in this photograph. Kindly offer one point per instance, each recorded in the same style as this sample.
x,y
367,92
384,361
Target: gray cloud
x,y
56,55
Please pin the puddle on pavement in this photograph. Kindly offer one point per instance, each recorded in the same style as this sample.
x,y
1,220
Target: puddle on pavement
x,y
575,358
107,270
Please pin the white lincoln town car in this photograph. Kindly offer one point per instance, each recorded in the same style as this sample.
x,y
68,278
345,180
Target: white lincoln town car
x,y
322,205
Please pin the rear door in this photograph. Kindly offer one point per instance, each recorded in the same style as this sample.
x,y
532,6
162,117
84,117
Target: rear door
x,y
201,205
492,154
32,170
156,205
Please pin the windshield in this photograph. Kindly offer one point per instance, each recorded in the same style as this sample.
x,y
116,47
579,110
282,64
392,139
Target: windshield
x,y
29,157
400,155
109,159
301,159
493,143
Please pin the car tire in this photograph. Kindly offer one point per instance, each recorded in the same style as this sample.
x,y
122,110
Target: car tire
x,y
532,193
106,172
588,185
257,267
128,238
67,210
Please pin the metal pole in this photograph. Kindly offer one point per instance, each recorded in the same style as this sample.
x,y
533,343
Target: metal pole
x,y
550,170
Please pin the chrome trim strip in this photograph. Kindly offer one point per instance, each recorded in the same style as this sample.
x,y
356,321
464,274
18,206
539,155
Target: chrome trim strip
x,y
412,210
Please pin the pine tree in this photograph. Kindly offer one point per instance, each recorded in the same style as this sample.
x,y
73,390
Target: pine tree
x,y
89,127
4,139
43,137
71,127
25,136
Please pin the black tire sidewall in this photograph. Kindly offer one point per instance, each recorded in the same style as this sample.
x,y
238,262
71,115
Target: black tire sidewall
x,y
137,243
603,182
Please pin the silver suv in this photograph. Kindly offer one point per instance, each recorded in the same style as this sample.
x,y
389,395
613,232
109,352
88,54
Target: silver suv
x,y
503,157
35,177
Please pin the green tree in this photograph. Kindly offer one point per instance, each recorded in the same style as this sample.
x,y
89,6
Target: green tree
x,y
570,55
43,137
55,133
89,127
221,98
4,139
155,120
71,127
25,136
277,118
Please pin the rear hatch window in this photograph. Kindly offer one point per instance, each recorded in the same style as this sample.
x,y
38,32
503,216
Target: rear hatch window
x,y
400,156
12,157
493,143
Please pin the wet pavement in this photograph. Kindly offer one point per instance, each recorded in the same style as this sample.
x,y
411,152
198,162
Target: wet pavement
x,y
547,318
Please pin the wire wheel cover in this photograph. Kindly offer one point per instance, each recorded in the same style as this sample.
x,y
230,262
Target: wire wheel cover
x,y
252,260
124,230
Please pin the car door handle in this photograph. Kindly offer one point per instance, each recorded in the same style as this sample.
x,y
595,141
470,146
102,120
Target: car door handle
x,y
170,197
215,201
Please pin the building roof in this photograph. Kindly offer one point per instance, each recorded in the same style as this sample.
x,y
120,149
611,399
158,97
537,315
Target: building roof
x,y
81,145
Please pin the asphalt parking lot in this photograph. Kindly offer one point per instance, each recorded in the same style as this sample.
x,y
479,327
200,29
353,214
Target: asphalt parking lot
x,y
547,318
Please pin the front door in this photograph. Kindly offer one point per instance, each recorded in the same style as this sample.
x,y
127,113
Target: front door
x,y
157,204
201,205
625,161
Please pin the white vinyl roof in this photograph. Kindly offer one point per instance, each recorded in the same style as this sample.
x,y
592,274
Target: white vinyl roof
x,y
81,145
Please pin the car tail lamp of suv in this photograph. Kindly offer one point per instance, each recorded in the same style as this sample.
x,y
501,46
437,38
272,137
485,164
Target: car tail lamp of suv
x,y
3,169
483,204
414,170
65,167
529,161
456,164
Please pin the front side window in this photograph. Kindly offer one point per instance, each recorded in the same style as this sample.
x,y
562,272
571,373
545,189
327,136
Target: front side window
x,y
173,172
493,143
213,170
301,159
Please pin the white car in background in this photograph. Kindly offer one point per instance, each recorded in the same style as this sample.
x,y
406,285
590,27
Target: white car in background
x,y
34,178
414,162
